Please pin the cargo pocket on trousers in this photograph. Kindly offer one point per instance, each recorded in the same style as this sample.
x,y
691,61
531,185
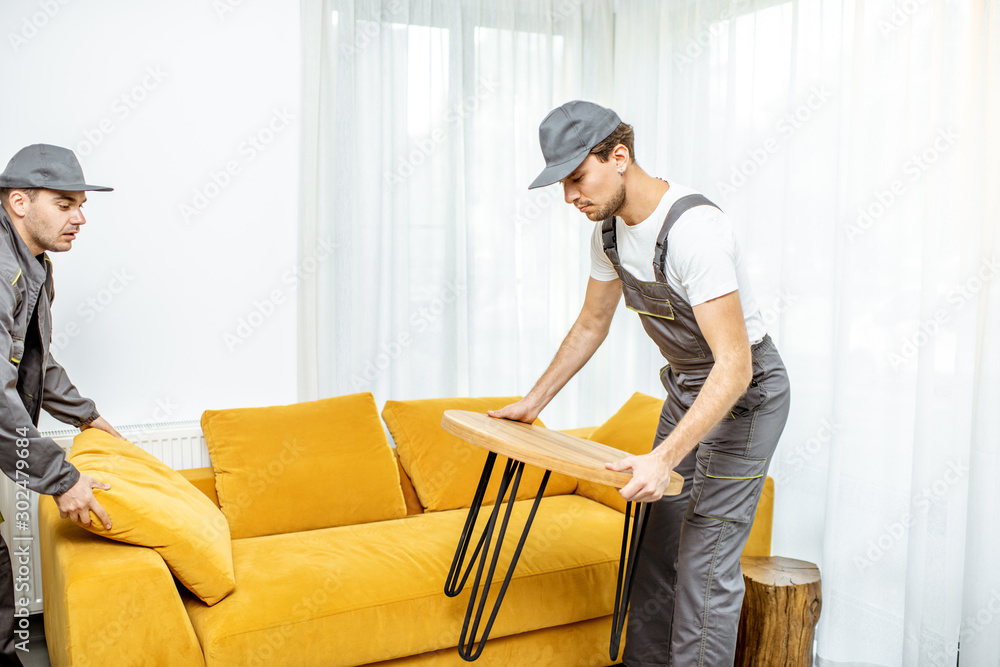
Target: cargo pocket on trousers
x,y
730,488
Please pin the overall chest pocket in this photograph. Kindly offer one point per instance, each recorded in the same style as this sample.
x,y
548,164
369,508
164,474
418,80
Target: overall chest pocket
x,y
648,299
655,303
645,303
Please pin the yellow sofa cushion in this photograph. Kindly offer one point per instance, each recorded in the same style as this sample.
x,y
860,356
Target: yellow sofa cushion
x,y
359,594
582,644
631,429
304,466
445,470
152,505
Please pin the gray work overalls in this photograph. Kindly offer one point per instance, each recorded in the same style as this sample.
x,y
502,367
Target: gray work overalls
x,y
688,588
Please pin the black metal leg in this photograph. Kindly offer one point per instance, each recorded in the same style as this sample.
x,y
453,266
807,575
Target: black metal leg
x,y
626,570
467,647
453,586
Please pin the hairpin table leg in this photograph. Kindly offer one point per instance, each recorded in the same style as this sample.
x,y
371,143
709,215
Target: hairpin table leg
x,y
453,586
626,570
511,479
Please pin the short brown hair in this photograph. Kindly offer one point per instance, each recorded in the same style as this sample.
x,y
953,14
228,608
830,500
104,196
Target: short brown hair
x,y
622,135
5,193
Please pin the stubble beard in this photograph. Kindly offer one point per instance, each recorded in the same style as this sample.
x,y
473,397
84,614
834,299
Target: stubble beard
x,y
613,206
41,234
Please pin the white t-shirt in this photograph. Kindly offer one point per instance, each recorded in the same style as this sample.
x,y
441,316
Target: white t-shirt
x,y
704,260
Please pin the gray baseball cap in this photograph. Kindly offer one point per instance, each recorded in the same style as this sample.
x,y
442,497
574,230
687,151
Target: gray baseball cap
x,y
568,134
48,167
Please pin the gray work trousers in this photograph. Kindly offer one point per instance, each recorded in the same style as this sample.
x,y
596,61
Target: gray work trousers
x,y
688,589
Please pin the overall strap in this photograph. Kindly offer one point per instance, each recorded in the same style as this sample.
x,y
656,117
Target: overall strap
x,y
679,208
610,237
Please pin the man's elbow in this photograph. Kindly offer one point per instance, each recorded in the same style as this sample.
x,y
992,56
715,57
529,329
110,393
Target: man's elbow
x,y
739,363
746,366
594,325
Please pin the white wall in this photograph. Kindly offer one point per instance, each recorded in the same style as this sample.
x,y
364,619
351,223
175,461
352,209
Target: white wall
x,y
159,99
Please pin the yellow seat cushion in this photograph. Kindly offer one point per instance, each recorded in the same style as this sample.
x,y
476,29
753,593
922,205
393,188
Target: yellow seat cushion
x,y
444,469
583,644
152,505
304,466
359,594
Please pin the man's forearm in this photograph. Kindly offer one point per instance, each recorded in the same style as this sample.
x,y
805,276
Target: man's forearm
x,y
576,350
61,399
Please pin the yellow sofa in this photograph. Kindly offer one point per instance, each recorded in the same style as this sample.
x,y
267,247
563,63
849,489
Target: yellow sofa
x,y
368,592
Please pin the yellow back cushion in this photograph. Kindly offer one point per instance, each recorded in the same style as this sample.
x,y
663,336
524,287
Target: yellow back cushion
x,y
152,505
445,470
631,429
304,466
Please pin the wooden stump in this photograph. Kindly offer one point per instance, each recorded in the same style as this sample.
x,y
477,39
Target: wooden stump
x,y
780,610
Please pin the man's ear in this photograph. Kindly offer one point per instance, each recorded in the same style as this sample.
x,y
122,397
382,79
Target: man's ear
x,y
16,203
620,157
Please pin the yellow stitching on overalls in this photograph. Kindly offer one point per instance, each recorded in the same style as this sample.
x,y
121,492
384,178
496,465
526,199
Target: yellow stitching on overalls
x,y
727,477
708,597
16,277
643,312
745,460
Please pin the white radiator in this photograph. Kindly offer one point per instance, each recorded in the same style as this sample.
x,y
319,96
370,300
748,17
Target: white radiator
x,y
179,444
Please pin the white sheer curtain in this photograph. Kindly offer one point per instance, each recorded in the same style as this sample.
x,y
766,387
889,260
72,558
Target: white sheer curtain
x,y
851,143
448,276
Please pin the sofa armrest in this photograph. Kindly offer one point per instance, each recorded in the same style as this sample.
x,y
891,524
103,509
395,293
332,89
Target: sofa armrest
x,y
109,603
759,542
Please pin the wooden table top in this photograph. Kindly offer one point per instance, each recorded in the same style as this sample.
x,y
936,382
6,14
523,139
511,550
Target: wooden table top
x,y
545,448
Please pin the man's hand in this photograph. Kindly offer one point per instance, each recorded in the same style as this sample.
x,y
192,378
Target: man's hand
x,y
650,477
524,410
78,502
102,424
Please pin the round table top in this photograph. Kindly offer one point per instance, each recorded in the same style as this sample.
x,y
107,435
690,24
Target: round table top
x,y
545,448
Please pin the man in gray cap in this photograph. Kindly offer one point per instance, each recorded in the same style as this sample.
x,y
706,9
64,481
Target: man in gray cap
x,y
42,195
674,256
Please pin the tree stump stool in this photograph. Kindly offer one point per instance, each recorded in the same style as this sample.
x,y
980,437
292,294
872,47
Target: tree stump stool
x,y
780,609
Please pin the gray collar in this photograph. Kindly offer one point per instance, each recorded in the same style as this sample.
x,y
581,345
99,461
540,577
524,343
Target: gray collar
x,y
32,267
